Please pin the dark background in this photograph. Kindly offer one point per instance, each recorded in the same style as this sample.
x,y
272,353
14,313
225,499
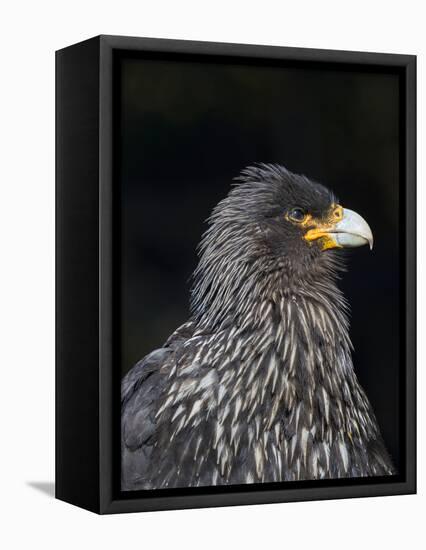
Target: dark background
x,y
187,127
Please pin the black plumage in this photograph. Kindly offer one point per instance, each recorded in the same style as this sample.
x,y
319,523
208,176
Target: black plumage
x,y
258,386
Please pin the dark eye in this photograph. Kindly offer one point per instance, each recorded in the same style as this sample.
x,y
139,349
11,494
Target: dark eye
x,y
297,215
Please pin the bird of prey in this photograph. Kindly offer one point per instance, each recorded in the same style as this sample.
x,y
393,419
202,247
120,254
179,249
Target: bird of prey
x,y
258,385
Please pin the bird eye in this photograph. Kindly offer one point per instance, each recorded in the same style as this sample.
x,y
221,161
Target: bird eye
x,y
297,215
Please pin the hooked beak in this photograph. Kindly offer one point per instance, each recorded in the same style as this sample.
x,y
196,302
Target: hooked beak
x,y
344,228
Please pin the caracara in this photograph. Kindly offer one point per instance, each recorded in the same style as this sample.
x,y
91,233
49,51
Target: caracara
x,y
258,385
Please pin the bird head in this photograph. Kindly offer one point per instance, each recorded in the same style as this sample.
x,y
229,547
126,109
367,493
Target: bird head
x,y
297,214
273,221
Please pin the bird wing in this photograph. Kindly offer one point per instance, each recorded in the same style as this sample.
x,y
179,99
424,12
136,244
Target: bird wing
x,y
151,362
140,391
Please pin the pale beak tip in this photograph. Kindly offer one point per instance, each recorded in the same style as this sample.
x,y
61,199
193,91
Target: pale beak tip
x,y
354,230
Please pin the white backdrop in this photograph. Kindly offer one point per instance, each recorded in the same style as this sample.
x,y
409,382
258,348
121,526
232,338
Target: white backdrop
x,y
30,31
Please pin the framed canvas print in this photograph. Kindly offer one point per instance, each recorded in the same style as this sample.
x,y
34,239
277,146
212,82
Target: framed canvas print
x,y
235,274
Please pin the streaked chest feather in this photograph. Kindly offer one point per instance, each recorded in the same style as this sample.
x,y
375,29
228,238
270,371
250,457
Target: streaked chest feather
x,y
271,398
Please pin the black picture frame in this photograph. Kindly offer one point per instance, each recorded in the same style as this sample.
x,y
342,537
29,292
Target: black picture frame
x,y
87,411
